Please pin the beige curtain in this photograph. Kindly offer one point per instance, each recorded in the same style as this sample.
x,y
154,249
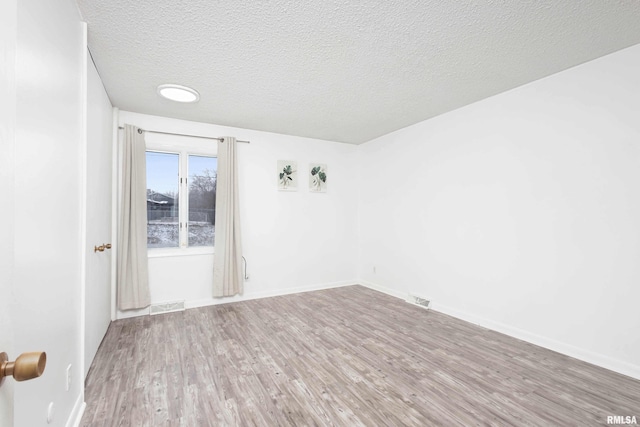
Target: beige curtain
x,y
133,269
227,259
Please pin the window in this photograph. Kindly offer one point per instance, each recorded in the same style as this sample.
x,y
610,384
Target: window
x,y
163,201
181,199
202,200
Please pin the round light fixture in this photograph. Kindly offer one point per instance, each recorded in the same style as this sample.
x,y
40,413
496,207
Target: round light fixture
x,y
178,93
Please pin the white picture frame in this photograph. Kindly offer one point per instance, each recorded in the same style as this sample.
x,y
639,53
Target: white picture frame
x,y
287,175
317,178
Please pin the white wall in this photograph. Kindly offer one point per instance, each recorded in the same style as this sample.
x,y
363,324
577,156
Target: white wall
x,y
519,212
47,202
293,241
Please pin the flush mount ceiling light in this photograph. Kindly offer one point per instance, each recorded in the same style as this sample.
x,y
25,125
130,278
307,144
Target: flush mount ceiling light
x,y
178,93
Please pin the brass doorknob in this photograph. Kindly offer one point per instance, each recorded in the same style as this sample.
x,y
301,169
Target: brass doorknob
x,y
26,367
99,248
107,245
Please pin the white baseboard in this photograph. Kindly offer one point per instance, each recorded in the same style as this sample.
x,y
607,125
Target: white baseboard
x,y
132,313
384,290
267,294
76,414
615,365
597,359
246,297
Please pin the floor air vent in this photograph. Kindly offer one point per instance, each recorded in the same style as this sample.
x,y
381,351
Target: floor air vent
x,y
419,301
167,307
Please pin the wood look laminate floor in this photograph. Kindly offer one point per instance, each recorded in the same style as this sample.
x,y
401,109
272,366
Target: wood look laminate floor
x,y
339,357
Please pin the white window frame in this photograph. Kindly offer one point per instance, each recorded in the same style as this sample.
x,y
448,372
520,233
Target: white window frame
x,y
184,147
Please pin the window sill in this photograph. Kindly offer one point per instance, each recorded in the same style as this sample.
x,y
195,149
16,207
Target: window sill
x,y
173,252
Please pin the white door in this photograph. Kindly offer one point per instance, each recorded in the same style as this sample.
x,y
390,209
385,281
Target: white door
x,y
6,345
8,34
98,267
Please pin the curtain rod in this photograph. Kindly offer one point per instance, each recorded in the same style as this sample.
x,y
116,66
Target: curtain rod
x,y
184,134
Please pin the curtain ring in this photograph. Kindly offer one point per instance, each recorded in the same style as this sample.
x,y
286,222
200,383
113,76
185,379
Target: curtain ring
x,y
140,131
221,139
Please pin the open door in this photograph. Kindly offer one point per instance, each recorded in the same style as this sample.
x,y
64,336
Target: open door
x,y
98,223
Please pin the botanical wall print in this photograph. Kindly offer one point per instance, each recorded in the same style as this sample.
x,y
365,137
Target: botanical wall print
x,y
318,177
287,175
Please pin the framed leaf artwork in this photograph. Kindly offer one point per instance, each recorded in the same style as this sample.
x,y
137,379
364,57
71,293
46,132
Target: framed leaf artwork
x,y
318,178
287,175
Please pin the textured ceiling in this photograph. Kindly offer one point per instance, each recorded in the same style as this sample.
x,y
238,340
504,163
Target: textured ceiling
x,y
345,71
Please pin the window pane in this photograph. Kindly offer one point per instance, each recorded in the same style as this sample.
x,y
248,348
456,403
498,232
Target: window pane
x,y
163,229
202,200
